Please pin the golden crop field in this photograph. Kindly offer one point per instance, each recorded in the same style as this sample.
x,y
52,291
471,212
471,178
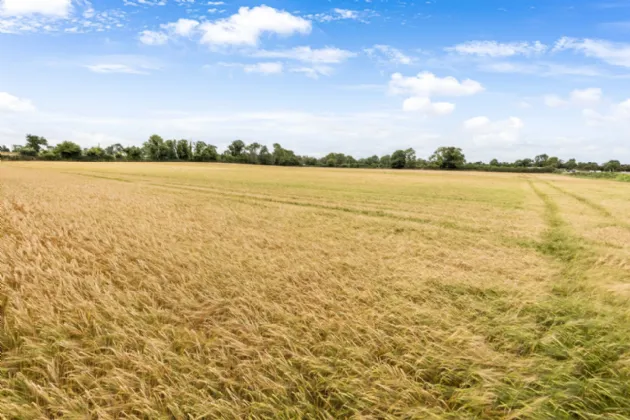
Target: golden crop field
x,y
146,290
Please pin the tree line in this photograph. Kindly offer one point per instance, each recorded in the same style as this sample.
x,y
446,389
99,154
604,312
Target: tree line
x,y
156,149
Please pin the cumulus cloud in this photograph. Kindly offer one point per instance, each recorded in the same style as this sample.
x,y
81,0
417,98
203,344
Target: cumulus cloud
x,y
10,103
387,54
422,87
498,49
179,28
486,132
614,53
327,55
264,68
244,28
183,27
153,38
58,8
249,24
427,84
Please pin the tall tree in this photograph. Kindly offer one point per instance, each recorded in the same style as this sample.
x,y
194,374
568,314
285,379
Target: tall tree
x,y
264,157
399,159
236,148
612,166
183,150
448,158
35,142
410,158
252,152
156,150
541,160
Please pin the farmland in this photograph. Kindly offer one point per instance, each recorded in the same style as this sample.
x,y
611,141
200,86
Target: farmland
x,y
156,290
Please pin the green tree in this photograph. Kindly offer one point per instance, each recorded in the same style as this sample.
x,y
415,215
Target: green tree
x,y
399,159
494,162
205,152
35,142
612,166
184,150
410,158
155,148
385,161
68,150
541,160
553,162
133,153
309,161
114,149
448,158
95,153
170,147
570,164
284,157
264,157
27,151
4,149
252,152
236,148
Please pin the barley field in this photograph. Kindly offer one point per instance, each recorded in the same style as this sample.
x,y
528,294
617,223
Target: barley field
x,y
201,291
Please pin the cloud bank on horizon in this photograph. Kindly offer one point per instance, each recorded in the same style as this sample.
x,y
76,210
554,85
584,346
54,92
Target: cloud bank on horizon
x,y
361,77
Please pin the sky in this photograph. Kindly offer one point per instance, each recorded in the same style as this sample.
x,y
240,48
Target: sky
x,y
504,79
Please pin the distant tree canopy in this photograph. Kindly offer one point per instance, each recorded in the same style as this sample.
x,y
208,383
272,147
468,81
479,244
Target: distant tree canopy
x,y
448,158
156,149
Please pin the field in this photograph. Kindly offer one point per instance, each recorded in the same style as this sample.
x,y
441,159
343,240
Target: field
x,y
145,290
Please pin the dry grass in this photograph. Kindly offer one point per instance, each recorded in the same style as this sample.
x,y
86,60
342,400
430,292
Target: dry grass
x,y
219,291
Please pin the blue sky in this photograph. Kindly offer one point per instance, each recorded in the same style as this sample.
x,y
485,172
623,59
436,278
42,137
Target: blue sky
x,y
505,79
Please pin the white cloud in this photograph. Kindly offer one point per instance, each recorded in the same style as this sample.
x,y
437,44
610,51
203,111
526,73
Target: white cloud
x,y
58,8
150,2
422,87
342,14
554,101
385,53
183,27
347,14
497,49
427,84
249,24
486,132
115,68
10,103
313,72
327,55
617,54
264,68
586,96
425,106
215,3
476,123
544,69
589,96
619,113
153,38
